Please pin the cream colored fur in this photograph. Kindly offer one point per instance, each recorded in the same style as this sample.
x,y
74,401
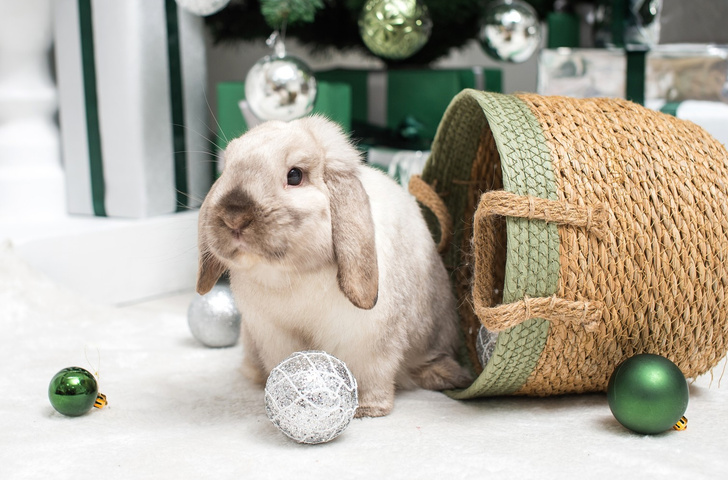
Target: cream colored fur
x,y
343,262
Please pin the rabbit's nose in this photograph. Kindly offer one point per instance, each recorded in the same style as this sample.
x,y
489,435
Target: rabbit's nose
x,y
237,221
237,210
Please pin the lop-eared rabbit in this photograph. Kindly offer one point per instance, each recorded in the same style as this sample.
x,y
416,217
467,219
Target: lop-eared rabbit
x,y
326,253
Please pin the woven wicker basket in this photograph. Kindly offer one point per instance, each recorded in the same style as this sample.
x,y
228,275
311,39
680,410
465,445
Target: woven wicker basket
x,y
585,231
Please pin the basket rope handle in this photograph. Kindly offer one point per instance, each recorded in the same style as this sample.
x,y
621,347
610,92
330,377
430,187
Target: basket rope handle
x,y
554,309
499,202
427,196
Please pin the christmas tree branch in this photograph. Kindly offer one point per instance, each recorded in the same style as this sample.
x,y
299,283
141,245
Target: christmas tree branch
x,y
278,13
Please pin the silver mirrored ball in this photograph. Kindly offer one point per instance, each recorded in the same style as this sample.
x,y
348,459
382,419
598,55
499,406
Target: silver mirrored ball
x,y
510,31
214,319
280,88
485,345
203,7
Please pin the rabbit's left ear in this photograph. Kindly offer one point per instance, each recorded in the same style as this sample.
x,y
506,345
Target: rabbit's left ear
x,y
353,238
209,270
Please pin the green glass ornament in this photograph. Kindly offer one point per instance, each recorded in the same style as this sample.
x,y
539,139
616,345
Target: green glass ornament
x,y
395,29
73,391
648,394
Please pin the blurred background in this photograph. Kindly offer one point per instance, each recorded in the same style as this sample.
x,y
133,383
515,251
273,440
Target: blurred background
x,y
113,115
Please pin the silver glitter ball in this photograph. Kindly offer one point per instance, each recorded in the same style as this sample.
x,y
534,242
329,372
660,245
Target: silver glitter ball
x,y
485,345
280,87
510,31
311,397
214,319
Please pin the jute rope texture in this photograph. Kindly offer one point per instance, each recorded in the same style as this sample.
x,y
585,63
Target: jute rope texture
x,y
427,195
660,271
641,207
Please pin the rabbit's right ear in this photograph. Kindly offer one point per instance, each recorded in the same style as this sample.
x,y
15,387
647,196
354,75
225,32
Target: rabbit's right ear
x,y
352,231
209,269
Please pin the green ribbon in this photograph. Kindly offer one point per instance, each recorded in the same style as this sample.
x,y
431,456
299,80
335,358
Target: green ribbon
x,y
670,108
619,15
563,30
636,54
636,61
176,92
93,133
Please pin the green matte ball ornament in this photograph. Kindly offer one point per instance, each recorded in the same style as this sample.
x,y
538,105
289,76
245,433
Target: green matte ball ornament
x,y
648,394
73,391
395,29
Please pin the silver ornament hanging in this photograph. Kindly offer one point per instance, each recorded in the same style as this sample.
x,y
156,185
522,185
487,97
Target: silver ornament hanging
x,y
203,7
280,86
485,345
510,31
214,319
311,397
640,24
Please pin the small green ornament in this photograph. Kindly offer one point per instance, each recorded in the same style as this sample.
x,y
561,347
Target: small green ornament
x,y
648,394
73,391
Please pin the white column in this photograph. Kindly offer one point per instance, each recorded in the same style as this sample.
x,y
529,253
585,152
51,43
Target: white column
x,y
31,176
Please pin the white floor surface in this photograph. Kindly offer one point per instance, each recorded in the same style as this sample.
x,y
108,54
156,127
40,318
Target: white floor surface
x,y
178,410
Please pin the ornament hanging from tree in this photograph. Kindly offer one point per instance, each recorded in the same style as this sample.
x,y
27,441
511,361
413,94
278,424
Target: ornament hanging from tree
x,y
510,31
395,29
280,86
203,8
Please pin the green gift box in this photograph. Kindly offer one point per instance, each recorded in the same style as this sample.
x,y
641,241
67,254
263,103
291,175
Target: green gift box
x,y
373,104
387,99
332,100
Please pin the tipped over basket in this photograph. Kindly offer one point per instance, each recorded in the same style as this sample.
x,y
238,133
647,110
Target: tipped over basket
x,y
584,231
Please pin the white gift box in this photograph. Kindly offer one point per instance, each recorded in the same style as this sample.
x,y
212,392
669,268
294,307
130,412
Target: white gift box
x,y
131,76
672,73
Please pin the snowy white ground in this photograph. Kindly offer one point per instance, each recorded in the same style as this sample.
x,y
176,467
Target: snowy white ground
x,y
180,410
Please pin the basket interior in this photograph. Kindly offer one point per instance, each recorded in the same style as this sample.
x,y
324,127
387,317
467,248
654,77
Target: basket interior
x,y
486,175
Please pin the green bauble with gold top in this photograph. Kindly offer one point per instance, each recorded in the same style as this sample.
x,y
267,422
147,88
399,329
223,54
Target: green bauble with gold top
x,y
73,391
648,394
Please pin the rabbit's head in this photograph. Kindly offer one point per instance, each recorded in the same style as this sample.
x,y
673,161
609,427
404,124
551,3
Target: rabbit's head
x,y
290,198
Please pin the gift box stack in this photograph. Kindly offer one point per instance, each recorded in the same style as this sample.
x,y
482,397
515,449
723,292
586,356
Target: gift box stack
x,y
689,81
131,78
385,111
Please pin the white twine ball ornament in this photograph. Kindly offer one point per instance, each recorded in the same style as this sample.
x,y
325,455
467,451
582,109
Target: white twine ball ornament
x,y
311,397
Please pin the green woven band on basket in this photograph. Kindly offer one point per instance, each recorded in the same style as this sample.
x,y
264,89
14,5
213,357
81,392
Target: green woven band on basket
x,y
532,260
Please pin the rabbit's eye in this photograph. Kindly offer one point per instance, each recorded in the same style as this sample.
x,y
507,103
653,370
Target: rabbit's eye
x,y
295,176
